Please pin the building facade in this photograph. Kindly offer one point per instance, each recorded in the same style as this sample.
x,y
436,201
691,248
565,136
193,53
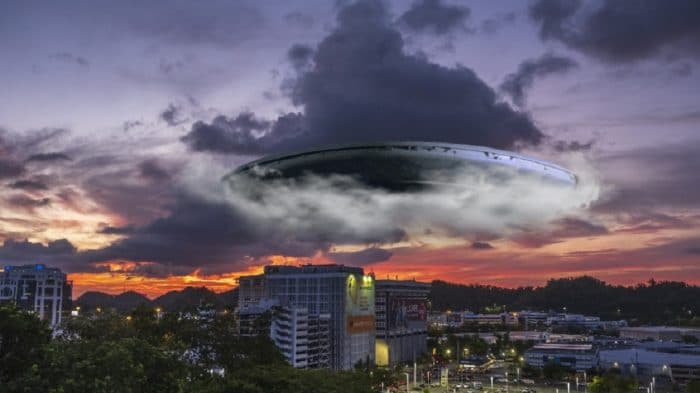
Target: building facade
x,y
401,310
36,288
343,293
303,338
578,357
662,333
678,367
251,290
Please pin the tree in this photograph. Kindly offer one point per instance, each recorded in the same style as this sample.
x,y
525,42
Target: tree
x,y
693,386
555,371
22,338
612,383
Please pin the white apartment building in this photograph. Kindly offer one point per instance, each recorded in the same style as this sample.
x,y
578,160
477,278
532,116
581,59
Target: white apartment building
x,y
36,288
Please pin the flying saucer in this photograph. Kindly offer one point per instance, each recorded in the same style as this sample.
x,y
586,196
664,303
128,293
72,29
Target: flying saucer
x,y
404,165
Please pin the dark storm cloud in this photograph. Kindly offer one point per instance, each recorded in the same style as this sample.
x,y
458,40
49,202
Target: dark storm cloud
x,y
482,246
300,56
363,87
361,258
24,251
70,58
170,115
227,135
622,31
434,16
30,185
517,84
10,168
203,233
153,170
48,157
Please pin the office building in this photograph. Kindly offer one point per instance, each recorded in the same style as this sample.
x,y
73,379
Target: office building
x,y
401,320
303,338
251,290
344,293
578,357
680,368
254,319
36,288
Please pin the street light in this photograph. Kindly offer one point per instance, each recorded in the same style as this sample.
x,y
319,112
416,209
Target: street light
x,y
407,382
568,387
492,383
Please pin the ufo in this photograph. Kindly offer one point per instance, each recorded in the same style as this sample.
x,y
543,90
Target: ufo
x,y
405,165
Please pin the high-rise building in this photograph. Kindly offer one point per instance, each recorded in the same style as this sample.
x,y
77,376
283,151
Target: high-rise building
x,y
251,290
36,288
303,338
401,319
344,293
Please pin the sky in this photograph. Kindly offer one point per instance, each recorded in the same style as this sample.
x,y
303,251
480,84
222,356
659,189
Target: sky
x,y
119,120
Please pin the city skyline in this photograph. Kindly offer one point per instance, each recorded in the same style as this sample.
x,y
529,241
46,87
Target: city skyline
x,y
119,121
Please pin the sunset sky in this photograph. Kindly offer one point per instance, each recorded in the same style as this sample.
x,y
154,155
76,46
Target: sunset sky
x,y
118,121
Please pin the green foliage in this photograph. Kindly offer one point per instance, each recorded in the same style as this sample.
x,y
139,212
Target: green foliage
x,y
613,383
555,371
141,353
693,386
22,337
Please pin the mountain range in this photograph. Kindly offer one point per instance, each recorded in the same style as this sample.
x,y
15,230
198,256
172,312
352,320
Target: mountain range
x,y
186,298
664,302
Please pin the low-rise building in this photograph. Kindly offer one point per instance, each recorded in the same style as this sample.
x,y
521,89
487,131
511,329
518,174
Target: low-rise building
x,y
584,322
662,333
509,319
578,357
678,367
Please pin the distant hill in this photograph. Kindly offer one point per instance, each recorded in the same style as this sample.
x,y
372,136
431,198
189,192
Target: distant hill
x,y
652,302
187,298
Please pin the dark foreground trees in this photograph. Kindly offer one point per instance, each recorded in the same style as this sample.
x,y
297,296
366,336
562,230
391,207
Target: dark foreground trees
x,y
139,352
613,383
